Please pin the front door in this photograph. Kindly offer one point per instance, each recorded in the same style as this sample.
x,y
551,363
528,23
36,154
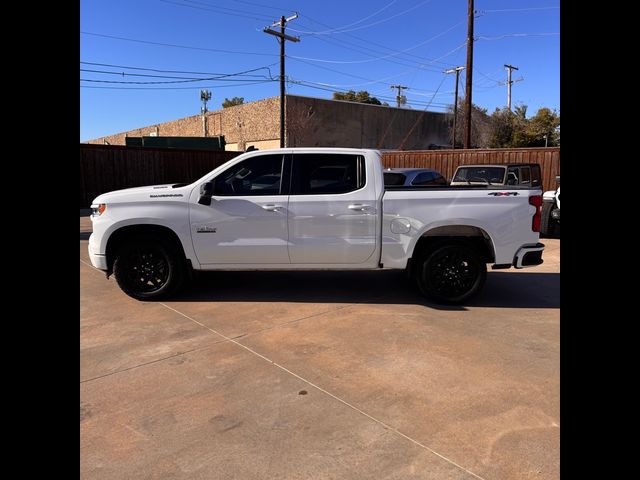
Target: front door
x,y
246,222
332,210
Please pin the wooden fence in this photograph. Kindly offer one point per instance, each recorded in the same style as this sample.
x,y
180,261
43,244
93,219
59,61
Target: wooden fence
x,y
446,161
104,168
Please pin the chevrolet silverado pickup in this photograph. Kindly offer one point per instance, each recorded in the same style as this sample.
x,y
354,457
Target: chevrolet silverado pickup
x,y
313,209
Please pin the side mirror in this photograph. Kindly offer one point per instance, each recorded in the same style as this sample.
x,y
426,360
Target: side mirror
x,y
206,192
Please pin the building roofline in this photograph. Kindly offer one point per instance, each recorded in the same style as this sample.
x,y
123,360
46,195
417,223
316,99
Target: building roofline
x,y
367,104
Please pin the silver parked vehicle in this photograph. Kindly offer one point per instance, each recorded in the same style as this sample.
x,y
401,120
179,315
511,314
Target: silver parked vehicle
x,y
413,176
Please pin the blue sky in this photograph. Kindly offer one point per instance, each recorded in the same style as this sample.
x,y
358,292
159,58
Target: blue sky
x,y
357,45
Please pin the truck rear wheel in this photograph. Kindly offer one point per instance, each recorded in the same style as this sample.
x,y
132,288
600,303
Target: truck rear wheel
x,y
547,224
148,268
451,273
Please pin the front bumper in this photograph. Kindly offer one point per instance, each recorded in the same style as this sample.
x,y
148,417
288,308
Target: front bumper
x,y
528,256
97,260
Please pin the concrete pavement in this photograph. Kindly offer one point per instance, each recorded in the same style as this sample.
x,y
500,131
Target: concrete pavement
x,y
320,375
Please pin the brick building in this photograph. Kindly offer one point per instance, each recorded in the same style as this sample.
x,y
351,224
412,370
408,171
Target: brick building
x,y
310,122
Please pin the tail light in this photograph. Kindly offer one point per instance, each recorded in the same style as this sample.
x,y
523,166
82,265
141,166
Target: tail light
x,y
536,201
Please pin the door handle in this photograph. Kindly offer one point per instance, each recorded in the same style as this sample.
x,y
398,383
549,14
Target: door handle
x,y
358,207
271,207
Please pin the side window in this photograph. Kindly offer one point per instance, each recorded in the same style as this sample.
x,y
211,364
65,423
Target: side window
x,y
512,176
525,175
425,178
439,180
259,175
536,176
392,178
317,173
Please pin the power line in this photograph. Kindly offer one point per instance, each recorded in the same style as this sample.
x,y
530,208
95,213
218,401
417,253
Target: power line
x,y
178,88
385,56
362,50
518,9
500,37
271,7
421,116
361,20
368,43
148,42
149,83
317,86
354,23
369,81
220,76
185,79
220,10
266,67
339,29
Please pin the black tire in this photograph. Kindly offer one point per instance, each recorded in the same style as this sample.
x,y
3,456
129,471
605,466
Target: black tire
x,y
148,268
451,273
547,224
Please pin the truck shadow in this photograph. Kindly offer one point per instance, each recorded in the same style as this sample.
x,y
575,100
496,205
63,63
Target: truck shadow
x,y
502,290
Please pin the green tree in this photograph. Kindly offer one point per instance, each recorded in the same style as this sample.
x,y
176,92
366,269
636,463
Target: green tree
x,y
361,97
232,102
502,126
546,122
514,129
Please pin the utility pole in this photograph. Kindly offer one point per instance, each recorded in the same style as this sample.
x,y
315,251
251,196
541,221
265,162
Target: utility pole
x,y
282,37
509,82
399,98
467,132
457,71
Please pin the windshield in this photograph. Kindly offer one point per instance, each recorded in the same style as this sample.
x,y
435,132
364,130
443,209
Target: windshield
x,y
480,174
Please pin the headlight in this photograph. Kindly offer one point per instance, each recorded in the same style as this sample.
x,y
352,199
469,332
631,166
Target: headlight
x,y
97,210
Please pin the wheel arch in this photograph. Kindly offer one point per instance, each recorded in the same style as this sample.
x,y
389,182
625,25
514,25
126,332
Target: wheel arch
x,y
122,234
472,235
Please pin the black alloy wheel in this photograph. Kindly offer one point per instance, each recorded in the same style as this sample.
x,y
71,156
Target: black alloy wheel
x,y
147,269
451,274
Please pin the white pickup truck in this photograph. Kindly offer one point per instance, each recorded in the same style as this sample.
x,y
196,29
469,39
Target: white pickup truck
x,y
313,208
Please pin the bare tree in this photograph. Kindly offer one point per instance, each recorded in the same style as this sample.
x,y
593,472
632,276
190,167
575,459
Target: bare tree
x,y
300,119
480,126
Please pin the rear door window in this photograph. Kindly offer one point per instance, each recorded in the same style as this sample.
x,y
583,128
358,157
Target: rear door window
x,y
319,174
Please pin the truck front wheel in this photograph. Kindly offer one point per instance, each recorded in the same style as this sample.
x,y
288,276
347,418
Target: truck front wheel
x,y
451,273
148,268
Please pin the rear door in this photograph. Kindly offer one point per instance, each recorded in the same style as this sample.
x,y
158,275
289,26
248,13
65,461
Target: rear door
x,y
332,209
